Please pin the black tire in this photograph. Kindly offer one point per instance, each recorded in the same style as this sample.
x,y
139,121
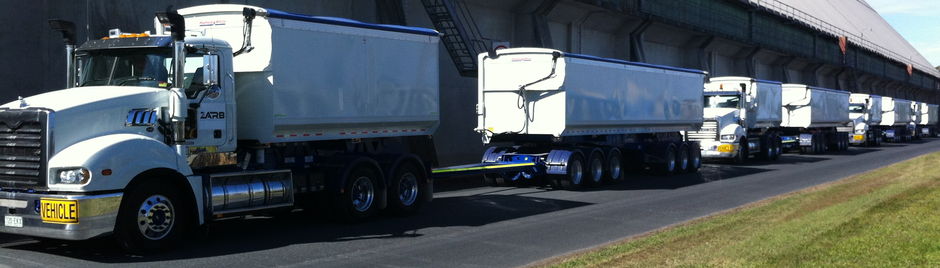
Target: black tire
x,y
490,179
695,158
682,159
743,153
777,147
595,169
504,179
357,201
818,145
614,169
574,177
668,167
153,217
766,149
405,191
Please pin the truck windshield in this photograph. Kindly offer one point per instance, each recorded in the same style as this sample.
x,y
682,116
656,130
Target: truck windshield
x,y
856,108
127,67
134,67
722,101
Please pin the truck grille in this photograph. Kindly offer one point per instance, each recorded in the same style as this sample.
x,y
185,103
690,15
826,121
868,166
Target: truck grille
x,y
709,132
24,148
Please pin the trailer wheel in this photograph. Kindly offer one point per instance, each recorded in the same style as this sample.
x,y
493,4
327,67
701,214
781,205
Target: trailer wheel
x,y
505,179
404,190
682,159
695,158
668,167
820,143
595,169
152,218
356,203
573,178
766,149
777,144
814,148
615,173
490,179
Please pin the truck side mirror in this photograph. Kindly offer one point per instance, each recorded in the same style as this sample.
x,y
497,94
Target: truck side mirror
x,y
210,69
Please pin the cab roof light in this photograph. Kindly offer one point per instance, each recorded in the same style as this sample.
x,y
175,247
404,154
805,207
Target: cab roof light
x,y
116,33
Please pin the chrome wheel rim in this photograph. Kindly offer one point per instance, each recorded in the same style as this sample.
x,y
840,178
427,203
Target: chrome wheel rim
x,y
575,171
615,172
408,189
683,160
597,169
362,194
155,217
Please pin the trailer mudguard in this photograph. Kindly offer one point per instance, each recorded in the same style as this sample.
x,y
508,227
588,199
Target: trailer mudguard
x,y
557,162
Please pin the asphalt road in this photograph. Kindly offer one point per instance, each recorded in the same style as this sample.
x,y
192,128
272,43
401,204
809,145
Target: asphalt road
x,y
471,225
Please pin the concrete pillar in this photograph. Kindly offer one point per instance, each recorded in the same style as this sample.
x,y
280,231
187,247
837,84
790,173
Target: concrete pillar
x,y
636,42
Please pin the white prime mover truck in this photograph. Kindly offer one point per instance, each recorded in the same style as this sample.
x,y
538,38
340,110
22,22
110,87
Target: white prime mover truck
x,y
741,119
305,105
896,119
812,117
577,119
865,115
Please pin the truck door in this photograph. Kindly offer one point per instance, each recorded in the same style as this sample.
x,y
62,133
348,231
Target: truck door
x,y
208,117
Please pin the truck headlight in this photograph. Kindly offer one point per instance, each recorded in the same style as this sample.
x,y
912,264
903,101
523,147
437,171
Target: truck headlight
x,y
727,137
74,176
859,131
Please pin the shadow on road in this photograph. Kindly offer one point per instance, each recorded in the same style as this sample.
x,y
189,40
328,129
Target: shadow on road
x,y
258,233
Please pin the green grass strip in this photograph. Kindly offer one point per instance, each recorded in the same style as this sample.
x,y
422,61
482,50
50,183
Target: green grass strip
x,y
888,217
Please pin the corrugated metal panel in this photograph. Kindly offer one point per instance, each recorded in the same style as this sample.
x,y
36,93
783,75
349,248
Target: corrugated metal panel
x,y
858,21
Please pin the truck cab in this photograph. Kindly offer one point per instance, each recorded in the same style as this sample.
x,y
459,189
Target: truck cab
x,y
865,113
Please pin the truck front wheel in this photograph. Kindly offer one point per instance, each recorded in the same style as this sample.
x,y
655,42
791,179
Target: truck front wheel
x,y
152,218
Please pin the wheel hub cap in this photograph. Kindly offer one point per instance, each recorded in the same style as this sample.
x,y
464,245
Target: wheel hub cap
x,y
155,217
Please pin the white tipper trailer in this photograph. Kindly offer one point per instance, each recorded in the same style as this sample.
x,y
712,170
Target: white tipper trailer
x,y
163,132
865,115
577,119
741,116
926,123
812,116
896,119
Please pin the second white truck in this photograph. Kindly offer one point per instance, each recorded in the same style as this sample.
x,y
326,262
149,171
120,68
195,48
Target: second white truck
x,y
865,115
741,119
580,120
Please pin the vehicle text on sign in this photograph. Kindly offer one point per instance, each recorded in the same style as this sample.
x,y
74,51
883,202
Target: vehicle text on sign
x,y
59,211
